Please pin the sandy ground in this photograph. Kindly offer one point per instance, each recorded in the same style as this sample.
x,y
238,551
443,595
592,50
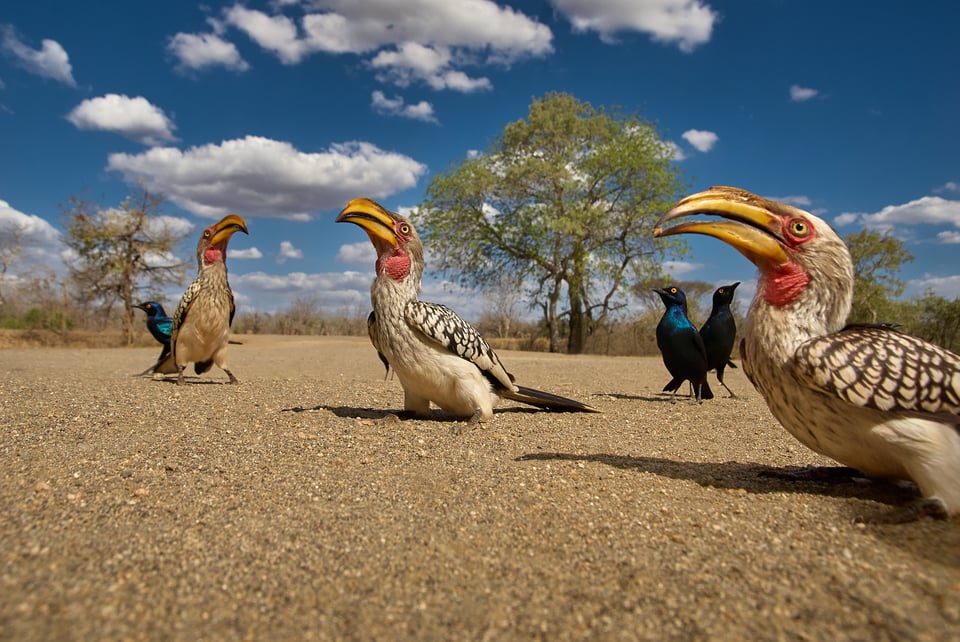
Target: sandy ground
x,y
297,506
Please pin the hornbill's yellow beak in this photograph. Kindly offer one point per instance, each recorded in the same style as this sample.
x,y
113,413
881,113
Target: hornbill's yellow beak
x,y
374,219
749,225
226,227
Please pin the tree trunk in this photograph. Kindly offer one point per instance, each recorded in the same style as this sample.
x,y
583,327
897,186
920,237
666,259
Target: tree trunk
x,y
578,333
550,316
128,311
579,323
550,313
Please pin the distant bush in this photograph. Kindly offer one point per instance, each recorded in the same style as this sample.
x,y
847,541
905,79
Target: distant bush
x,y
38,319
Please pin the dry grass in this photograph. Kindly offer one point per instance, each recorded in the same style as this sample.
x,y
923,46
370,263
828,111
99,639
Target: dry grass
x,y
20,339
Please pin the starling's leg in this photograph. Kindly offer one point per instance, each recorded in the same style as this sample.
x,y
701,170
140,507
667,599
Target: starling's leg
x,y
728,389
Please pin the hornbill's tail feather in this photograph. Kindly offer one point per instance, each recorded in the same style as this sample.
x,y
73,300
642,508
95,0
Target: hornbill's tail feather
x,y
546,400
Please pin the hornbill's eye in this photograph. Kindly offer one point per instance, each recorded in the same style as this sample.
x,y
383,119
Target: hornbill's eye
x,y
799,227
404,229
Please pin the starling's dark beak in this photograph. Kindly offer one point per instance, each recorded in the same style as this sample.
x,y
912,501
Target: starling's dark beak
x,y
374,219
747,225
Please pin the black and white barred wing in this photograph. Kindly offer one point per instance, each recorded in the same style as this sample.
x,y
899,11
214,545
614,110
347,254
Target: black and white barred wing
x,y
442,326
371,332
166,364
880,368
184,306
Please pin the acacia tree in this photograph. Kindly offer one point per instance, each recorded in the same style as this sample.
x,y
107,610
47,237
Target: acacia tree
x,y
936,319
564,199
121,251
877,259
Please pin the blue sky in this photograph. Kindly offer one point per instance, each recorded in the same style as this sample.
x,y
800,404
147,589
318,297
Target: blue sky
x,y
282,111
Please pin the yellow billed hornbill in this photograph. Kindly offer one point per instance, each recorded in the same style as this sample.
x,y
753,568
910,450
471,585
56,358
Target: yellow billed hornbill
x,y
437,356
871,398
201,324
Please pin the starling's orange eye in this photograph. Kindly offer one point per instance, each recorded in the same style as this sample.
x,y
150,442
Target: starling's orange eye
x,y
673,290
720,290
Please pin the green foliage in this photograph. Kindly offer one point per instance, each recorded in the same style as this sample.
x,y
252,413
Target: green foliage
x,y
565,200
937,320
877,259
38,319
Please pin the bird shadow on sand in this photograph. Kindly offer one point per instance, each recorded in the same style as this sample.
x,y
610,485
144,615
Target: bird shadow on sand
x,y
352,412
752,477
194,381
937,541
659,397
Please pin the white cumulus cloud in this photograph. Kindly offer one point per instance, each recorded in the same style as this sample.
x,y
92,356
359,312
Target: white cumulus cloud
x,y
800,94
673,151
677,269
428,41
258,176
396,106
287,252
685,23
797,200
946,286
40,243
202,50
928,209
247,253
702,141
277,34
845,219
411,62
274,292
136,118
50,60
931,210
360,253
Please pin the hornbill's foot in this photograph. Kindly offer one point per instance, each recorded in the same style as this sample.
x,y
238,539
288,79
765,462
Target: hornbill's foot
x,y
819,474
403,415
475,420
911,512
233,379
